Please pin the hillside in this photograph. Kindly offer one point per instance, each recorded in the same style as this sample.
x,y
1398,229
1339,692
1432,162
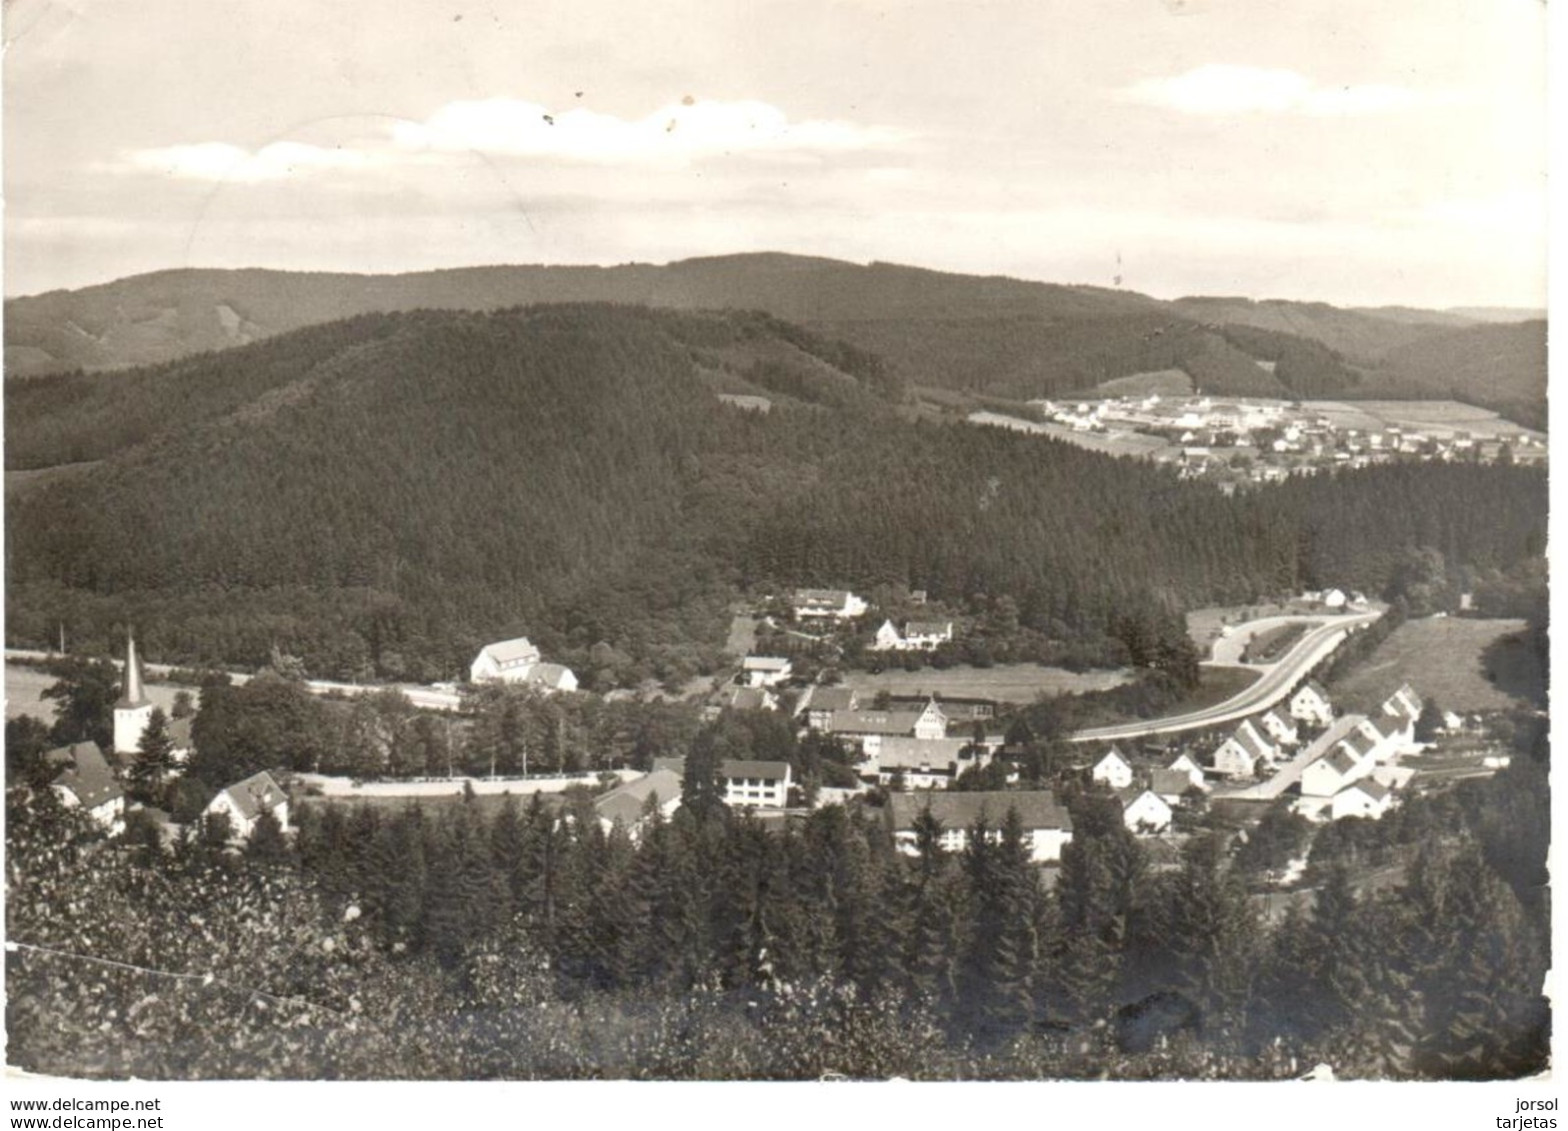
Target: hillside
x,y
987,336
382,494
1501,367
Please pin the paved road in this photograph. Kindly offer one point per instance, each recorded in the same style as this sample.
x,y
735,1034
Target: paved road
x,y
1275,683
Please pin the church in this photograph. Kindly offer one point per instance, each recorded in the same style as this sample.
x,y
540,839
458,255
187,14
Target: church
x,y
133,710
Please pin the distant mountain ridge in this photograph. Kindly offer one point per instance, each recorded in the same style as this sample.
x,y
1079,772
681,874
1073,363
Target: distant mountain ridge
x,y
987,335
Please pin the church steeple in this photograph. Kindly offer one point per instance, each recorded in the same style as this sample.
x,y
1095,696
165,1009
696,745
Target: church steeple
x,y
131,693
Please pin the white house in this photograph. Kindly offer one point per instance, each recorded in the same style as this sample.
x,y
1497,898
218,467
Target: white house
x,y
1362,798
1283,731
1238,756
931,723
1333,771
1144,811
927,635
826,604
760,785
1185,765
1404,707
244,802
551,677
1113,769
1267,749
506,661
1047,827
888,639
133,710
1310,704
86,782
766,671
1335,599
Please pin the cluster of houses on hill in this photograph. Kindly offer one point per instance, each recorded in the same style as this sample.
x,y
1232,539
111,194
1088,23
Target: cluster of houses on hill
x,y
519,662
92,779
1203,436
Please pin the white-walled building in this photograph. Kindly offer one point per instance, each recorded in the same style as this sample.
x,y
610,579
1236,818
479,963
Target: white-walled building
x,y
1362,798
766,671
1283,731
505,661
1113,769
133,710
1310,704
760,785
244,802
1047,827
629,802
827,604
518,661
85,781
1144,812
1184,764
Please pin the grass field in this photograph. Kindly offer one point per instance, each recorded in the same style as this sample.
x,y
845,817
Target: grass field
x,y
1268,646
489,804
1436,418
24,686
1463,664
1166,382
1007,683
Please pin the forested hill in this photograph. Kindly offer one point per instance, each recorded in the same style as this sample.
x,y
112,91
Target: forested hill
x,y
382,494
984,335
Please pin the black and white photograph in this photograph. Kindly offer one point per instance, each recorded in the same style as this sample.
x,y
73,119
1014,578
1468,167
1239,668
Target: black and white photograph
x,y
831,541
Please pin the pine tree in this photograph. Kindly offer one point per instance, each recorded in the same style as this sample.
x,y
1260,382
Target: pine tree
x,y
154,758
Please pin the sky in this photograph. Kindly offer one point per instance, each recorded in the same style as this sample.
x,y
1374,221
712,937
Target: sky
x,y
1348,151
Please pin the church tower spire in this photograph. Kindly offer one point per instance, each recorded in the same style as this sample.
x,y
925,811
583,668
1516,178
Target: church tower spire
x,y
134,710
131,693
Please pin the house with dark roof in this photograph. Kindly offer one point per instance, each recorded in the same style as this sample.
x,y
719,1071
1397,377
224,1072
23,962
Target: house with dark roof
x,y
750,699
629,803
1047,826
1365,797
762,785
1239,755
244,802
921,763
85,781
819,705
1171,785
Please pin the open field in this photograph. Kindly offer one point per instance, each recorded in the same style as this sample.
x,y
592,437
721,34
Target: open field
x,y
1165,382
1113,443
1271,644
1435,418
24,686
488,805
1463,664
1007,683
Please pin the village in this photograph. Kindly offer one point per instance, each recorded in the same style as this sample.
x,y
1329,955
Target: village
x,y
912,757
1235,441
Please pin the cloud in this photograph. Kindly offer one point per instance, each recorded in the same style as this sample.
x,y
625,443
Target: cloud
x,y
219,161
1221,89
683,130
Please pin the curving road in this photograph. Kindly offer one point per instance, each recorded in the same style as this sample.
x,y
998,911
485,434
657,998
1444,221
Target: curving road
x,y
1272,686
